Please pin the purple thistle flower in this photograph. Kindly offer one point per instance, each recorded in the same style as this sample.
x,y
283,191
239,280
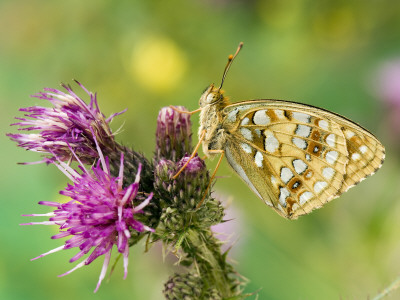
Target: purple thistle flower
x,y
69,124
100,215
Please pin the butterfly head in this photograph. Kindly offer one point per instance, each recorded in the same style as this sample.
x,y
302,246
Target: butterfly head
x,y
211,95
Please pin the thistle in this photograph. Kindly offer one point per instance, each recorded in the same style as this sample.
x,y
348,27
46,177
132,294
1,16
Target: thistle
x,y
117,196
71,128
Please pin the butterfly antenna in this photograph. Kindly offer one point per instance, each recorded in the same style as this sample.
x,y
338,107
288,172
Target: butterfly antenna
x,y
228,65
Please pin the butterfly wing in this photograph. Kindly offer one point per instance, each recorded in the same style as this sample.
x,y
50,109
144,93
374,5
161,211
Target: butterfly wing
x,y
297,157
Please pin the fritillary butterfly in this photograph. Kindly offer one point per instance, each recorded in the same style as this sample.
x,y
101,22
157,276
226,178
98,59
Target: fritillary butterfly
x,y
295,157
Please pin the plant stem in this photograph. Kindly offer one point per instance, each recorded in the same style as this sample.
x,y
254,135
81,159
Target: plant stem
x,y
390,289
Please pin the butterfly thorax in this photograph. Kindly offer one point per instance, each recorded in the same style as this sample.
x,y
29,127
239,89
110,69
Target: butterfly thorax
x,y
212,103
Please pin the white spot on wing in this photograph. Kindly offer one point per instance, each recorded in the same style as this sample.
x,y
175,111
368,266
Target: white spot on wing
x,y
271,142
284,193
295,207
331,140
246,133
232,115
328,172
363,149
355,156
319,186
303,130
302,117
245,121
261,118
258,159
308,157
299,143
349,134
299,166
331,157
258,132
305,197
323,124
279,113
286,174
246,148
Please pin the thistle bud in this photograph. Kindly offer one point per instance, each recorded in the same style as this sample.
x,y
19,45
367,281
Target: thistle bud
x,y
173,135
193,181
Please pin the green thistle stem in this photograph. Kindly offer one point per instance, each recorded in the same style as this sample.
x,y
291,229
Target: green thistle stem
x,y
211,263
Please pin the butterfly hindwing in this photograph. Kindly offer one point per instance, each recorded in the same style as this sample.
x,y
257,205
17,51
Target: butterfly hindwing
x,y
297,157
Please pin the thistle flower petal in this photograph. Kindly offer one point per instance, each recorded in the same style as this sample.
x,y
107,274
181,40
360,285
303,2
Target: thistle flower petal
x,y
67,125
100,214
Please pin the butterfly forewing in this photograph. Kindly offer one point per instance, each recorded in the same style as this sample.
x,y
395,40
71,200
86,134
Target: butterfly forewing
x,y
297,157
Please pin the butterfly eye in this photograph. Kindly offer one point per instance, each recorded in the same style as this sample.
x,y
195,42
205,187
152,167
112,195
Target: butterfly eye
x,y
211,98
208,96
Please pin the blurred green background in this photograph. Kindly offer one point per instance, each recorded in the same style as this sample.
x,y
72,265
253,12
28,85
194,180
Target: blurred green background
x,y
144,55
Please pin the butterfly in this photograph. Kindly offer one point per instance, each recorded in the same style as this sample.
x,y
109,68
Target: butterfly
x,y
295,157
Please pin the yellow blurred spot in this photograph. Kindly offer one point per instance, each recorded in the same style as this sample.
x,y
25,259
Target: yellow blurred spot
x,y
158,63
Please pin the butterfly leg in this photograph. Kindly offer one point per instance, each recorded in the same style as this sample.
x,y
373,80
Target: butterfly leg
x,y
222,152
203,134
185,112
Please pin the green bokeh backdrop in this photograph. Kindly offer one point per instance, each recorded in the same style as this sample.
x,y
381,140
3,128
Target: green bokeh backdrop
x,y
144,55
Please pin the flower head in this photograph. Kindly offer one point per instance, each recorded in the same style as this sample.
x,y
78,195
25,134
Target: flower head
x,y
100,214
69,124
